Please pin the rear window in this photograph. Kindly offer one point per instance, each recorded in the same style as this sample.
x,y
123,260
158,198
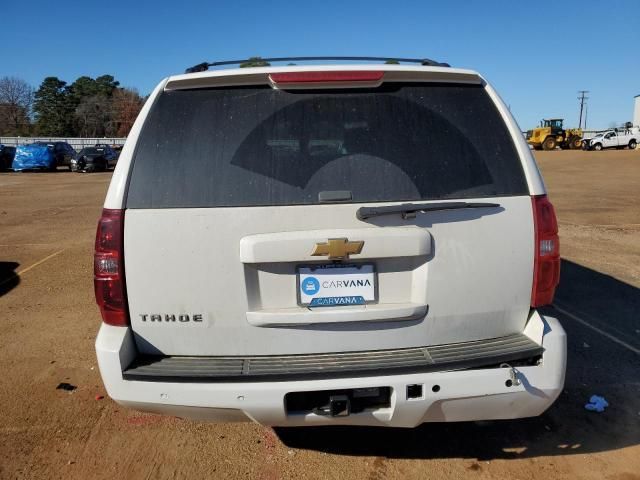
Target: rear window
x,y
258,146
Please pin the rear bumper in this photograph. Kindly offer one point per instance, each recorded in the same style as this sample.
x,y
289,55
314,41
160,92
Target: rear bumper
x,y
463,395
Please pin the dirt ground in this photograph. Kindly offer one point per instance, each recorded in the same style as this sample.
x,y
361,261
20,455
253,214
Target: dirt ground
x,y
49,322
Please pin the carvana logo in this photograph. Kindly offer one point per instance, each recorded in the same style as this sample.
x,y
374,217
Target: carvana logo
x,y
310,286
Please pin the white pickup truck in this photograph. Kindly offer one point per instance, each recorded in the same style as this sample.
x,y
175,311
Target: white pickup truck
x,y
615,139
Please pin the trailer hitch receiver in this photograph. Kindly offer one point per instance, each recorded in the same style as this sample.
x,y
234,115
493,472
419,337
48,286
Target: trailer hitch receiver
x,y
338,406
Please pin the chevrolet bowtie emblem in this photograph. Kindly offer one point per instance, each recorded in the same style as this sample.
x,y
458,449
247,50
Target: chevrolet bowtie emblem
x,y
337,248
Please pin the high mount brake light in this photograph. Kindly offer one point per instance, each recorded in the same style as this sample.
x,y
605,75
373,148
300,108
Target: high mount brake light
x,y
108,268
546,268
326,77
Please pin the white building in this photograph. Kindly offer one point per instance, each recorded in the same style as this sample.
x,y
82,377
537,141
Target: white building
x,y
636,111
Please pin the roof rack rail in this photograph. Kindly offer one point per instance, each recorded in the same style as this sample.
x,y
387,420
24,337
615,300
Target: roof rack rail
x,y
203,67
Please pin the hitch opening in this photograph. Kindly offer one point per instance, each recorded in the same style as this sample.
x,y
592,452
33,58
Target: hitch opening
x,y
338,403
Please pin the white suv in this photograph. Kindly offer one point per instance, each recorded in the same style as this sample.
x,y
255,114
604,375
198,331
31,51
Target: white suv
x,y
362,244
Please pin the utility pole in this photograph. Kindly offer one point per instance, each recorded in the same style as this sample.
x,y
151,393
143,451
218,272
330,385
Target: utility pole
x,y
586,111
583,100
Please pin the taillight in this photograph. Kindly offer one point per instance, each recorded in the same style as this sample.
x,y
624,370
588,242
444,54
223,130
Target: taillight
x,y
546,268
326,77
108,268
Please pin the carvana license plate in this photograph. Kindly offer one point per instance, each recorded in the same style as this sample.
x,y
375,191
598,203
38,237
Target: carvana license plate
x,y
336,285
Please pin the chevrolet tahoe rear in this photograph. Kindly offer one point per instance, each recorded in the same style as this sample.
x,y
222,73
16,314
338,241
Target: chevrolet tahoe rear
x,y
363,244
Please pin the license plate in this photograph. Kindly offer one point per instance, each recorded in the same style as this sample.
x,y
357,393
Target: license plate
x,y
336,285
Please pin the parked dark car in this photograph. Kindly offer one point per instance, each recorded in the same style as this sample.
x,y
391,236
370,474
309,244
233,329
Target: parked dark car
x,y
117,149
90,159
62,152
6,156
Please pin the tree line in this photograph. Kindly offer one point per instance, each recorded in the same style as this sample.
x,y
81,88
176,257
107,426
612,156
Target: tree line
x,y
88,107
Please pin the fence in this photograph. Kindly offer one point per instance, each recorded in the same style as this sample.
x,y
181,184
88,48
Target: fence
x,y
76,143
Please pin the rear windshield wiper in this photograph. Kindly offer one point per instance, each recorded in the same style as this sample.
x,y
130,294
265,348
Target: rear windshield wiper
x,y
409,210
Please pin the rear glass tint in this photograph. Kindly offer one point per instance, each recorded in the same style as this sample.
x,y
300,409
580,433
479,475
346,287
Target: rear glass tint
x,y
259,146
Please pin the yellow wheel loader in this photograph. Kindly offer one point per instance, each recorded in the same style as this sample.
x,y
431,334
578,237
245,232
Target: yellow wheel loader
x,y
551,134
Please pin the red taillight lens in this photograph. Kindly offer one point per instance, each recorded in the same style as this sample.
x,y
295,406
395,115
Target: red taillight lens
x,y
108,268
546,268
326,77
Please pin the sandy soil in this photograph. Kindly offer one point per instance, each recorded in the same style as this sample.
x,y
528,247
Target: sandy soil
x,y
49,321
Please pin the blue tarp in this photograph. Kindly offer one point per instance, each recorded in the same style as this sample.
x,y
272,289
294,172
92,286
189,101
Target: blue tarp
x,y
33,156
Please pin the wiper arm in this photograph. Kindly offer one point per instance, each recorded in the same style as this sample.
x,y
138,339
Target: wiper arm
x,y
409,210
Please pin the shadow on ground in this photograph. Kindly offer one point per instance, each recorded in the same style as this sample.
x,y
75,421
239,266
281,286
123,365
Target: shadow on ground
x,y
596,365
9,279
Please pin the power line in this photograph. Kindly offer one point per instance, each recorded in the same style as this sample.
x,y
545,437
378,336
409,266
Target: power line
x,y
583,101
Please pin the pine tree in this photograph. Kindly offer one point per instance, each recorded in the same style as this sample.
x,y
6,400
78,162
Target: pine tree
x,y
52,108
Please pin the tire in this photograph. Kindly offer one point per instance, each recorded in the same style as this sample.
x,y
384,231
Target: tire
x,y
597,147
575,143
632,145
549,143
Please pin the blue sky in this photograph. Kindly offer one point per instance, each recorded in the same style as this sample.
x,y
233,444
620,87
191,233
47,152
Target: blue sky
x,y
537,57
